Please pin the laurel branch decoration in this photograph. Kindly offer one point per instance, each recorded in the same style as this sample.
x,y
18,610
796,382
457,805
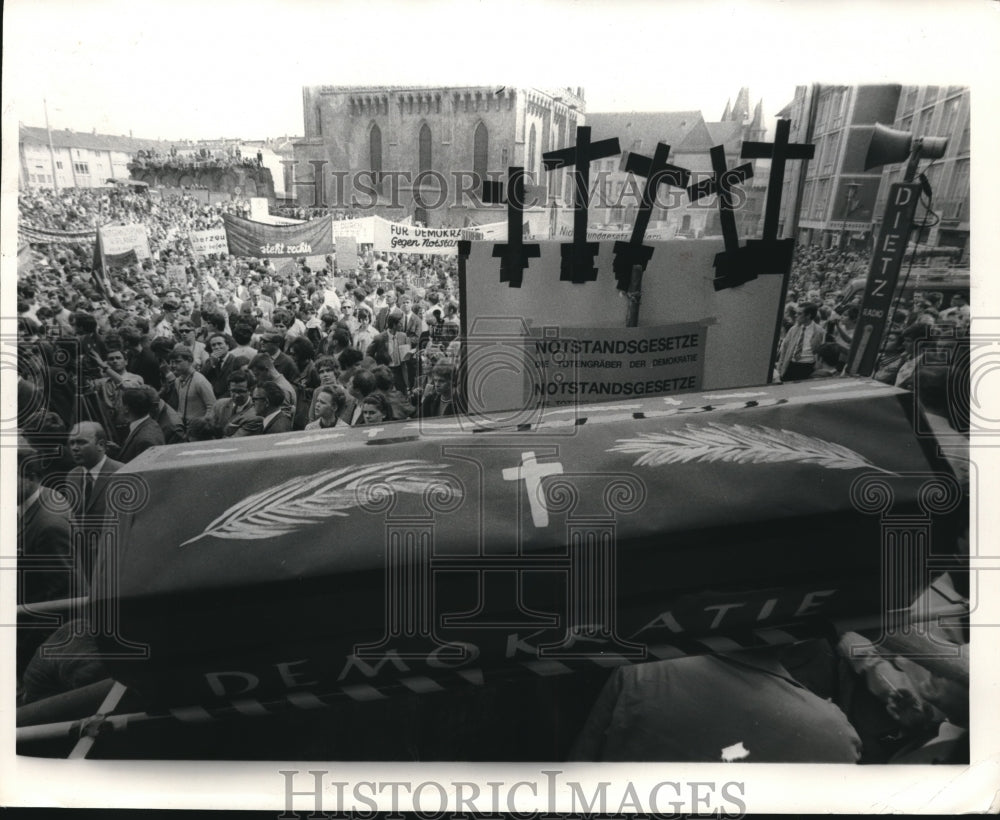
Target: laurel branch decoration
x,y
310,499
740,444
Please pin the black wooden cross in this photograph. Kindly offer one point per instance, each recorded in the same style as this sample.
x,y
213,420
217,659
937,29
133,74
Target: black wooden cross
x,y
722,182
578,256
778,152
657,171
731,266
513,254
770,254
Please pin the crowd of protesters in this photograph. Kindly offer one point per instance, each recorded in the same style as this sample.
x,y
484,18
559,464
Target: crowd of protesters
x,y
375,345
187,348
926,329
215,347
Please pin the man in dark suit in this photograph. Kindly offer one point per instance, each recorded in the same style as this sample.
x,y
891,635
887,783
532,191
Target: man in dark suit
x,y
271,343
143,431
43,537
139,358
88,447
383,313
227,415
220,364
268,400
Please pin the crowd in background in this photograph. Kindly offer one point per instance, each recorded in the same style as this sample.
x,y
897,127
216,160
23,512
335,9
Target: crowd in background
x,y
198,344
377,343
820,319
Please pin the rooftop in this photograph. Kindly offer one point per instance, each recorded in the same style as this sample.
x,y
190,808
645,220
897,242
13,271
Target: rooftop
x,y
89,141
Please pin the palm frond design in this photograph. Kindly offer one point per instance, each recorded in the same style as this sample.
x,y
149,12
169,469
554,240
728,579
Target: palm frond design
x,y
310,499
740,444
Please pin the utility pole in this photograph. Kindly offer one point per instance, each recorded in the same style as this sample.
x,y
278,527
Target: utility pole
x,y
52,153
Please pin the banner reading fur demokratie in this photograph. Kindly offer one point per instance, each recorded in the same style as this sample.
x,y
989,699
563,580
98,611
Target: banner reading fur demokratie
x,y
247,238
397,238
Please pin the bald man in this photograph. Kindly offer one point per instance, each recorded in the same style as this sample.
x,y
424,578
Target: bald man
x,y
88,445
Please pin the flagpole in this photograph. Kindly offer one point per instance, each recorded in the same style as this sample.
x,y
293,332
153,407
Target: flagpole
x,y
52,153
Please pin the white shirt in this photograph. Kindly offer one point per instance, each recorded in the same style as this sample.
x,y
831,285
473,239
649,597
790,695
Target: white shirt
x,y
95,471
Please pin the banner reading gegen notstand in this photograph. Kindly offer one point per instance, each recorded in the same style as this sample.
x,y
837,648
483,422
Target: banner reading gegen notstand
x,y
248,238
397,238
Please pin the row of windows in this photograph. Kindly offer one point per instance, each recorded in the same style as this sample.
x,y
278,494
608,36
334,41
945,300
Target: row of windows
x,y
480,150
931,93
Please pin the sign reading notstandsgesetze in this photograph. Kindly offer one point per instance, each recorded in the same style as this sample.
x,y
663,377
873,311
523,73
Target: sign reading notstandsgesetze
x,y
257,239
397,238
595,364
204,243
119,239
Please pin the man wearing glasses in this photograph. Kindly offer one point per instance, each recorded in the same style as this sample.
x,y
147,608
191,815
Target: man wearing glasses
x,y
267,404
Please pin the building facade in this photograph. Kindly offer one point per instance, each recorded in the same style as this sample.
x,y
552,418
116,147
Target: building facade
x,y
938,111
615,193
424,151
76,159
832,200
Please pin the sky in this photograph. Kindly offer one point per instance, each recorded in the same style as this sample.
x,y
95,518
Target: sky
x,y
211,69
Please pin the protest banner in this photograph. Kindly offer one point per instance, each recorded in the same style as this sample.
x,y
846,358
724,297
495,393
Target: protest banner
x,y
397,238
363,230
347,252
598,235
256,239
207,242
677,290
119,239
40,236
493,232
596,364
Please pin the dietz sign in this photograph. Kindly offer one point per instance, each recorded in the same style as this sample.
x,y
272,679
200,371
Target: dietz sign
x,y
882,276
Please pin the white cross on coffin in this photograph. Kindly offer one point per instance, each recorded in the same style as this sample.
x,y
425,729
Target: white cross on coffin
x,y
532,473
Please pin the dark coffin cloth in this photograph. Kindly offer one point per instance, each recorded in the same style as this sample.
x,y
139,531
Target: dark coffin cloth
x,y
708,516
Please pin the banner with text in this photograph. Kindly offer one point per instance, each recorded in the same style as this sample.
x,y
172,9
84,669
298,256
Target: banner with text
x,y
119,239
361,230
204,243
598,235
48,236
593,364
494,232
247,238
565,232
397,238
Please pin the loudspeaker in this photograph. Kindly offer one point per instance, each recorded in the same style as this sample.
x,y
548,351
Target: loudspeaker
x,y
932,147
888,146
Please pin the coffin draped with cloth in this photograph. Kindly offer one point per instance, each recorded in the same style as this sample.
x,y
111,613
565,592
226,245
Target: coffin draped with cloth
x,y
358,562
